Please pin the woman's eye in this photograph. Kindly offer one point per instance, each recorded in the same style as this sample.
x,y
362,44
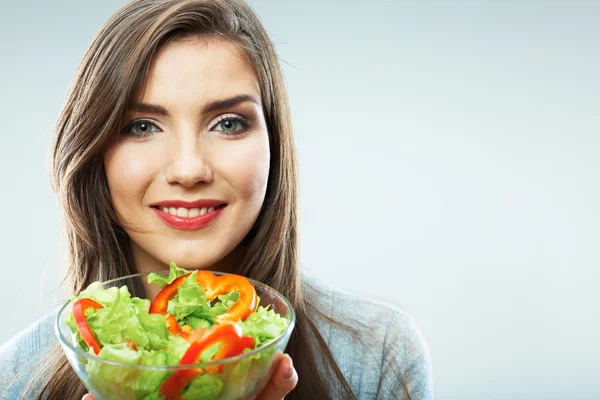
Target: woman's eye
x,y
231,125
141,128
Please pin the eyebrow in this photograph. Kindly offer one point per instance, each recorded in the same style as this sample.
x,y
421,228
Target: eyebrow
x,y
215,105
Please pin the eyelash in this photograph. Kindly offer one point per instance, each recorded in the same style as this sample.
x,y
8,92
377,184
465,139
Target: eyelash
x,y
244,122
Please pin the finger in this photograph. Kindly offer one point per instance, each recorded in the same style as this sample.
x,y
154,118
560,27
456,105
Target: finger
x,y
282,382
88,397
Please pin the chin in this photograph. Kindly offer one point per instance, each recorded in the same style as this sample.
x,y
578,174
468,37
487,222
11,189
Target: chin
x,y
188,253
191,260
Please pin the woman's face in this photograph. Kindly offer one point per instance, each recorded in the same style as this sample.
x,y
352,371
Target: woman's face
x,y
188,173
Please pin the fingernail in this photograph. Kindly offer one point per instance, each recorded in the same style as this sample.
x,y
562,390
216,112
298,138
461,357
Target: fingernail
x,y
287,374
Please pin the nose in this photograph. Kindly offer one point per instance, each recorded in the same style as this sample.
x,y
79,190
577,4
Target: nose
x,y
188,164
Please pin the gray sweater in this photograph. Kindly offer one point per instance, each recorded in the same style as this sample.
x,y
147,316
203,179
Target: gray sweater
x,y
391,342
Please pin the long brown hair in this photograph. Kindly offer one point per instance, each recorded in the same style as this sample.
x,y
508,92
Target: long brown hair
x,y
113,69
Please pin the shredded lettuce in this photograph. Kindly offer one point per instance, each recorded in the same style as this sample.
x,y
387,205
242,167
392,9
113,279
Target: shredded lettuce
x,y
264,325
204,387
190,305
189,300
224,303
124,318
122,382
174,273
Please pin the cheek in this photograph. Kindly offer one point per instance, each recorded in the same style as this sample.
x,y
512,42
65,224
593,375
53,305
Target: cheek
x,y
128,172
246,168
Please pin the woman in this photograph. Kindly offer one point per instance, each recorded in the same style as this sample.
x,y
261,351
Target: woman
x,y
179,110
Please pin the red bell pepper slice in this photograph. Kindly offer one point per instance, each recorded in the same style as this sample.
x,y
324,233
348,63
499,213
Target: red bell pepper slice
x,y
131,344
161,301
86,332
216,285
172,324
232,343
213,286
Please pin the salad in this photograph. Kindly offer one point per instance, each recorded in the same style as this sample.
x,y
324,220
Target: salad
x,y
197,317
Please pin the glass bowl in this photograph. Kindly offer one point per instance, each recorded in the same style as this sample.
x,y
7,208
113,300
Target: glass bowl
x,y
242,376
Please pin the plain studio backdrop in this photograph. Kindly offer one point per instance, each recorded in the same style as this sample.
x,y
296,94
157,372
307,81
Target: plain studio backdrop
x,y
448,159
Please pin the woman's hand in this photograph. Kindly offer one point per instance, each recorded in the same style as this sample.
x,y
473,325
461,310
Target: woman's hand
x,y
282,382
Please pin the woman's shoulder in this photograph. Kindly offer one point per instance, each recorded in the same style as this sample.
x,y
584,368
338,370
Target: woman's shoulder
x,y
379,317
21,354
380,348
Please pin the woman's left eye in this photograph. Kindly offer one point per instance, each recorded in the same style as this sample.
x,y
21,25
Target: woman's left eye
x,y
231,125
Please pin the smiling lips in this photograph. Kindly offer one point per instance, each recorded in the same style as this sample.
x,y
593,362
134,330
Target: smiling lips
x,y
189,215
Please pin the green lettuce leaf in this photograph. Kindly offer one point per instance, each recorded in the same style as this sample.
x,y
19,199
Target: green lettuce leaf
x,y
156,330
124,382
204,387
226,301
264,325
189,300
123,318
199,323
96,292
162,281
176,348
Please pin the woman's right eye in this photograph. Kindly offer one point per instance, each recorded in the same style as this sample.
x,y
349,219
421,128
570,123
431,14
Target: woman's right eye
x,y
141,127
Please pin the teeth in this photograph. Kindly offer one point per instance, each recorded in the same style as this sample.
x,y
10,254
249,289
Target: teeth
x,y
187,213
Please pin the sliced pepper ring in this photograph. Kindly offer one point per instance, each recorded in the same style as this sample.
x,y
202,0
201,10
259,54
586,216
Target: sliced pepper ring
x,y
232,343
214,286
86,332
172,325
161,301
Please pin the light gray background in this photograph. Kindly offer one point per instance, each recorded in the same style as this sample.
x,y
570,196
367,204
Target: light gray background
x,y
449,164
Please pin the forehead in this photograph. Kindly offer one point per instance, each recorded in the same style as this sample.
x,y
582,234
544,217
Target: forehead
x,y
196,69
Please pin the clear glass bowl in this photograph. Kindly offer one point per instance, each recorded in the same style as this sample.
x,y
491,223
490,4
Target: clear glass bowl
x,y
243,376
